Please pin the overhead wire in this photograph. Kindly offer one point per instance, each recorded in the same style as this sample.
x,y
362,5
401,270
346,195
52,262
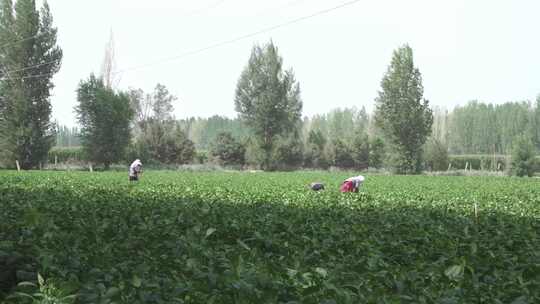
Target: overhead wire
x,y
215,4
208,47
8,72
239,38
27,38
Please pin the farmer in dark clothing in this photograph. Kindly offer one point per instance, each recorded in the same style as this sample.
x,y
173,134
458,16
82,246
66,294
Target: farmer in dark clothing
x,y
317,186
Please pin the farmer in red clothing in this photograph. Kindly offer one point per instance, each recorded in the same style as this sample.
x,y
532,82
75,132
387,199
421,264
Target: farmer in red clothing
x,y
352,184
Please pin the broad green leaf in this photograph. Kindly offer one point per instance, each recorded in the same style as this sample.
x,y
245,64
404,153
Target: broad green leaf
x,y
454,272
521,300
321,271
136,281
209,232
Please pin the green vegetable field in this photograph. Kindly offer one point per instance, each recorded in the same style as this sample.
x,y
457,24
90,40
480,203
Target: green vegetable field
x,y
266,238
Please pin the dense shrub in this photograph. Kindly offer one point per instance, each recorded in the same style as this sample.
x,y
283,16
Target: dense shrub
x,y
226,150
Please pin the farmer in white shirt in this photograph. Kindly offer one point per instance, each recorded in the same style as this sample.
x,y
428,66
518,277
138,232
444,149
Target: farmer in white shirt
x,y
352,184
135,170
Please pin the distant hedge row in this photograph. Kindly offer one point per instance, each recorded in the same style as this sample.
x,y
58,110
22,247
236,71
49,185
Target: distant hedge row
x,y
484,162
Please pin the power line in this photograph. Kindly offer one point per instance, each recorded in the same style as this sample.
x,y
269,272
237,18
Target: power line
x,y
38,76
211,6
27,67
33,66
195,12
11,78
30,76
239,38
27,38
200,50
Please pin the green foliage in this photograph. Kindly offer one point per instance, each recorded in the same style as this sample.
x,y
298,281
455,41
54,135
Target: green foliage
x,y
314,153
45,292
63,155
268,99
316,138
523,157
162,103
342,154
339,123
535,124
376,153
265,238
436,155
26,131
204,131
402,112
67,137
227,150
164,142
361,151
480,128
287,154
104,116
201,156
171,146
159,138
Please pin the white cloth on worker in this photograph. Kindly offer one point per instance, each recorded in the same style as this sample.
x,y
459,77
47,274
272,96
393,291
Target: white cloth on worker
x,y
135,168
357,180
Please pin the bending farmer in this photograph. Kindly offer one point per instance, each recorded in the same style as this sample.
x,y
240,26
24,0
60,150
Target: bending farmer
x,y
135,170
352,184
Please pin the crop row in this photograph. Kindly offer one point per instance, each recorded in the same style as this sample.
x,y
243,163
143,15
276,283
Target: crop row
x,y
265,238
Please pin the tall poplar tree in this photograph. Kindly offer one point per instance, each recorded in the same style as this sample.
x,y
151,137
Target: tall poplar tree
x,y
402,112
268,99
29,57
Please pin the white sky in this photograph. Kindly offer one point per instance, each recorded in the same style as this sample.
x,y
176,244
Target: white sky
x,y
465,49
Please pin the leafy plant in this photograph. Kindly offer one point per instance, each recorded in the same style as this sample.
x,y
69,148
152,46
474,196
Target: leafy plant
x,y
523,157
226,237
45,292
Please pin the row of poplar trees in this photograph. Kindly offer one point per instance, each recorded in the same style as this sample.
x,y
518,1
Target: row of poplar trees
x,y
29,57
268,100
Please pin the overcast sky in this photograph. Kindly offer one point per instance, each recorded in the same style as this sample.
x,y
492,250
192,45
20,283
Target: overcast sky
x,y
465,50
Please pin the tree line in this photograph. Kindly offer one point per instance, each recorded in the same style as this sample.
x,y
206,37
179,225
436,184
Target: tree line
x,y
269,132
485,128
403,133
